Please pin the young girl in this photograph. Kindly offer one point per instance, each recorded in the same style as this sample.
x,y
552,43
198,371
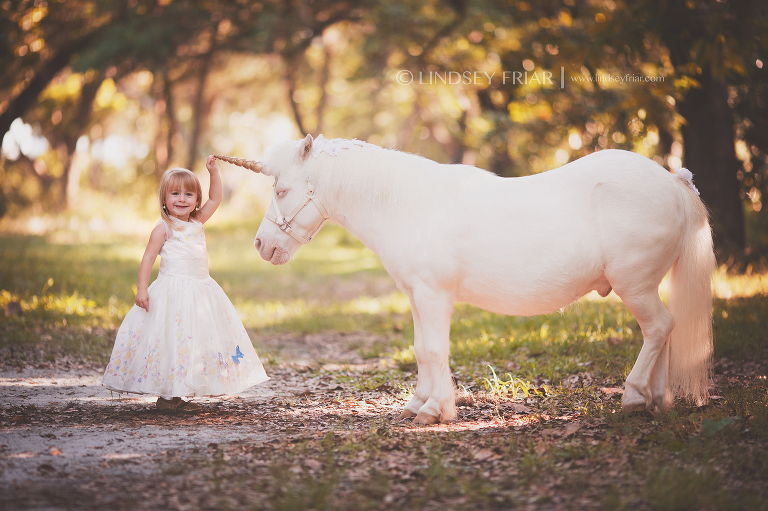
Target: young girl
x,y
183,337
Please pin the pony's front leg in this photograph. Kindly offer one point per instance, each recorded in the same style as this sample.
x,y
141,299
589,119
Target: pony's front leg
x,y
435,309
423,382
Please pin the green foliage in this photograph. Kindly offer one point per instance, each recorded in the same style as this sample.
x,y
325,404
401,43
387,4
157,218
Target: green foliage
x,y
500,388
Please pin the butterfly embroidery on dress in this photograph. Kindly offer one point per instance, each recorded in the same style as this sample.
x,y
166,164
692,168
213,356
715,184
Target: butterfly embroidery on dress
x,y
238,355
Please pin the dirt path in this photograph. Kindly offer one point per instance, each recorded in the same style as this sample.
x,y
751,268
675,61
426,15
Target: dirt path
x,y
57,422
59,425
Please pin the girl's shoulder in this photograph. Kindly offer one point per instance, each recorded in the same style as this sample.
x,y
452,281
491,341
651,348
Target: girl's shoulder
x,y
196,226
168,228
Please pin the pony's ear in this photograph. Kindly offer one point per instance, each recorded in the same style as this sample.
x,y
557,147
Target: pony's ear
x,y
305,148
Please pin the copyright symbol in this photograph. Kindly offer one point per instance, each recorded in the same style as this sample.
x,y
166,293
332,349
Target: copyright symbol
x,y
404,77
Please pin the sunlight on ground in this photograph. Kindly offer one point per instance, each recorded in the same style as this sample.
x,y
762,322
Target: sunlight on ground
x,y
263,314
515,423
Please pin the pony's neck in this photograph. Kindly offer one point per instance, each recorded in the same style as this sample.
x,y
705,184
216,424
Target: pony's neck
x,y
366,190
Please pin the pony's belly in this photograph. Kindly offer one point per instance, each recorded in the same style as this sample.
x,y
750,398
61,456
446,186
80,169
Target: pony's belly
x,y
520,307
513,301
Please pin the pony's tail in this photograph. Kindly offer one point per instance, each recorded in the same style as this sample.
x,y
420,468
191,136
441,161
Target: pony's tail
x,y
690,302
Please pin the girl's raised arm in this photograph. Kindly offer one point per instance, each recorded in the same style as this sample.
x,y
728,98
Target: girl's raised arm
x,y
156,241
215,192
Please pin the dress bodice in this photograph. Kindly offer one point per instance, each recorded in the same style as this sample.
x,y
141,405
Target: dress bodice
x,y
184,253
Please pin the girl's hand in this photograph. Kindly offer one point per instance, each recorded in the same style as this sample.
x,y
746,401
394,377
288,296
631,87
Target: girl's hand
x,y
210,164
142,299
215,192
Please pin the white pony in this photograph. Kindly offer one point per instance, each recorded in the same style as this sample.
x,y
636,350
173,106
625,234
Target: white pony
x,y
520,246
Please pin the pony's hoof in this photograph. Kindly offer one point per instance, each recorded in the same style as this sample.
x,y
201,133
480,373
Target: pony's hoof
x,y
632,403
405,414
425,418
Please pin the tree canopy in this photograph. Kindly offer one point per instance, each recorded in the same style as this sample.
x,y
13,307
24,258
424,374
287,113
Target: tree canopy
x,y
512,86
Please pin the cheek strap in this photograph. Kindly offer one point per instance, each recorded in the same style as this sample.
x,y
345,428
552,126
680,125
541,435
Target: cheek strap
x,y
284,223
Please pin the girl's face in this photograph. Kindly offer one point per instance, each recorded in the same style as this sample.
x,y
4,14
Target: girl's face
x,y
180,203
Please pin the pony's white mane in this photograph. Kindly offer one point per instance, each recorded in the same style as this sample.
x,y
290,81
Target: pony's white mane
x,y
333,146
365,175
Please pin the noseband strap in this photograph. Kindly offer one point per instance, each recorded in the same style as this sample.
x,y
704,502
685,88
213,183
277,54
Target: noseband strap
x,y
284,223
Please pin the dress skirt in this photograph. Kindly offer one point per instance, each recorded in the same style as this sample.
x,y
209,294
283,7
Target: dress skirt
x,y
190,343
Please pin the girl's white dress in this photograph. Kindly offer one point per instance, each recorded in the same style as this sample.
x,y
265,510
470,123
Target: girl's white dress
x,y
191,342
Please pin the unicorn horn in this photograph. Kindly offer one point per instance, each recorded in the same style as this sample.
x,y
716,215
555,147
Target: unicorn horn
x,y
255,166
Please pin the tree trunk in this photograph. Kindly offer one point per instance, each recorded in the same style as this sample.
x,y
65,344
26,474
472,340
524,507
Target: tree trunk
x,y
199,107
709,152
291,79
79,125
323,84
167,128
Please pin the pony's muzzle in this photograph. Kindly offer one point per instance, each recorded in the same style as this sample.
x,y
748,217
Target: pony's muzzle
x,y
264,251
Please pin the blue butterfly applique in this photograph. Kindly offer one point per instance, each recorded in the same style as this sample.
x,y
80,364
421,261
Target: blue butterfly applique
x,y
238,355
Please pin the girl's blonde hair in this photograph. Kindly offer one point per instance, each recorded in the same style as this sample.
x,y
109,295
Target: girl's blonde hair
x,y
181,178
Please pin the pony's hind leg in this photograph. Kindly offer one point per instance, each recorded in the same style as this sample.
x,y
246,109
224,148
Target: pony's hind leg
x,y
662,395
656,324
423,382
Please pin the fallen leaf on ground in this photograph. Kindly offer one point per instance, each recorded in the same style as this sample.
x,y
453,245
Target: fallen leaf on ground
x,y
484,454
520,408
571,428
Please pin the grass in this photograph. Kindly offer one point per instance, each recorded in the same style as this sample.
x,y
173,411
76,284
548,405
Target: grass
x,y
74,295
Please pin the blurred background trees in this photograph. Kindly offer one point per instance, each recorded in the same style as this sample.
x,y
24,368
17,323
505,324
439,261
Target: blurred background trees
x,y
98,97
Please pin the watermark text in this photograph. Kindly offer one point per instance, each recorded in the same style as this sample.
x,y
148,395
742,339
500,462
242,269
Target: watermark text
x,y
531,76
405,77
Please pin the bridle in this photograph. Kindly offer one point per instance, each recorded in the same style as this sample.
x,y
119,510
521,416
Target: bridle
x,y
284,223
